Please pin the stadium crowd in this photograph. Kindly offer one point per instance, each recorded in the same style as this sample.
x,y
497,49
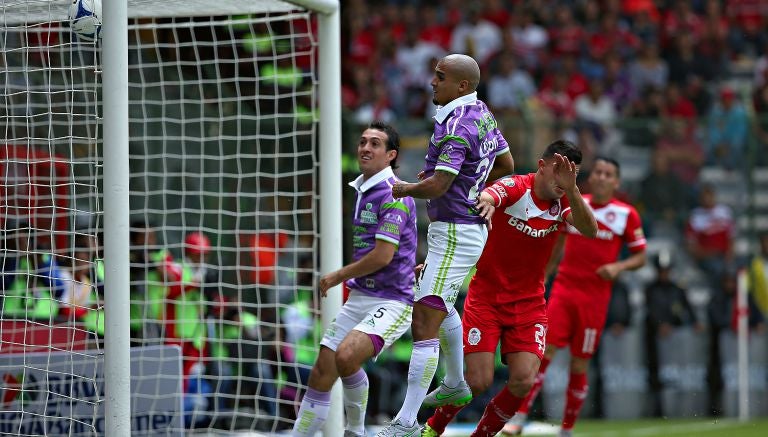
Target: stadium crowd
x,y
677,90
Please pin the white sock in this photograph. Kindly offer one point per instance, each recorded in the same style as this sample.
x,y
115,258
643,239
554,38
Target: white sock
x,y
312,413
355,400
421,370
452,345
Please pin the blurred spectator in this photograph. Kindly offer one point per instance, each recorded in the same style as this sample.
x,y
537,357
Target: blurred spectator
x,y
666,308
556,99
641,126
697,93
509,87
684,61
613,37
682,151
709,234
678,106
713,43
596,111
392,21
680,19
432,29
528,38
645,25
758,275
761,67
413,57
496,12
664,199
648,69
727,132
576,83
31,276
566,35
151,267
635,8
475,36
747,34
618,87
760,107
362,40
83,290
378,107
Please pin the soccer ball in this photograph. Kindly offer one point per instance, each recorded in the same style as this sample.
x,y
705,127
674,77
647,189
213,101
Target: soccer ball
x,y
85,19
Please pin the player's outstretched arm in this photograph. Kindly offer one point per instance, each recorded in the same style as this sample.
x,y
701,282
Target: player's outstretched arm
x,y
428,188
485,206
378,258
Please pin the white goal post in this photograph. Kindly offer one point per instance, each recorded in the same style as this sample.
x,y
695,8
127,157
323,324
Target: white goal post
x,y
79,102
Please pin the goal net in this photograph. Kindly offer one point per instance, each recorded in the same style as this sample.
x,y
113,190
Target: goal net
x,y
224,234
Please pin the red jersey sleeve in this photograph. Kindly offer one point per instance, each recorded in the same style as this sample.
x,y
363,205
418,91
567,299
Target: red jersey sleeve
x,y
634,237
505,191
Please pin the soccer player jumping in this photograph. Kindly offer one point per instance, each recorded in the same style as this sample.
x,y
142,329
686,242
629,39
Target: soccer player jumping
x,y
581,292
465,150
505,302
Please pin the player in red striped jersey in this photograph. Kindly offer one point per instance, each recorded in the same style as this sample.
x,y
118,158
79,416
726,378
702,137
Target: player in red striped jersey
x,y
581,292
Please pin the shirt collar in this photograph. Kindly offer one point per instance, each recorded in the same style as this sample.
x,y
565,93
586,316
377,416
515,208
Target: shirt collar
x,y
443,111
362,185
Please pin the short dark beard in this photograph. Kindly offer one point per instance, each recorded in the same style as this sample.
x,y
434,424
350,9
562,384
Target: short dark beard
x,y
435,102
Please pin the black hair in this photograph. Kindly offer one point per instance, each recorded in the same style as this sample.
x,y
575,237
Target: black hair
x,y
393,138
565,148
611,161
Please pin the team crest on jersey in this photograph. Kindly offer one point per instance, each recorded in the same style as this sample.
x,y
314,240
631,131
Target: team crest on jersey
x,y
473,337
610,217
368,216
508,182
370,283
554,210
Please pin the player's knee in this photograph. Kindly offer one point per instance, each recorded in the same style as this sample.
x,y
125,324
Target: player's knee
x,y
520,383
424,328
478,381
321,377
346,360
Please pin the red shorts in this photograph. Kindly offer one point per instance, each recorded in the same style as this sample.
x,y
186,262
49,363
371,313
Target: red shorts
x,y
519,326
575,322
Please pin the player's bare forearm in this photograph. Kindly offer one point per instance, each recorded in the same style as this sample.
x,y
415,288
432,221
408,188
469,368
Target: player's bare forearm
x,y
375,260
428,188
485,206
503,165
556,256
611,271
581,215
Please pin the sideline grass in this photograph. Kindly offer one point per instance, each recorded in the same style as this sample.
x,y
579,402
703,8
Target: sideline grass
x,y
705,427
670,427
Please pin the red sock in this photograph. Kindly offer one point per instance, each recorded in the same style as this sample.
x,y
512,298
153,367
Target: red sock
x,y
575,396
443,416
501,408
536,388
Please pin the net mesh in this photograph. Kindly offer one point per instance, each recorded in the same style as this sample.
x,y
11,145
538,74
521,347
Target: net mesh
x,y
223,189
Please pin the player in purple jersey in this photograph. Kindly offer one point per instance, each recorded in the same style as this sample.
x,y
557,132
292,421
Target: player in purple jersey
x,y
381,282
465,151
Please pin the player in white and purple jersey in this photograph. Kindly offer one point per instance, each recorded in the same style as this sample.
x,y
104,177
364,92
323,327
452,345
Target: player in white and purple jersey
x,y
381,280
465,151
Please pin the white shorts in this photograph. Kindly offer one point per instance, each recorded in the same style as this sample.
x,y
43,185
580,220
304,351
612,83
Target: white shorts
x,y
452,250
389,319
